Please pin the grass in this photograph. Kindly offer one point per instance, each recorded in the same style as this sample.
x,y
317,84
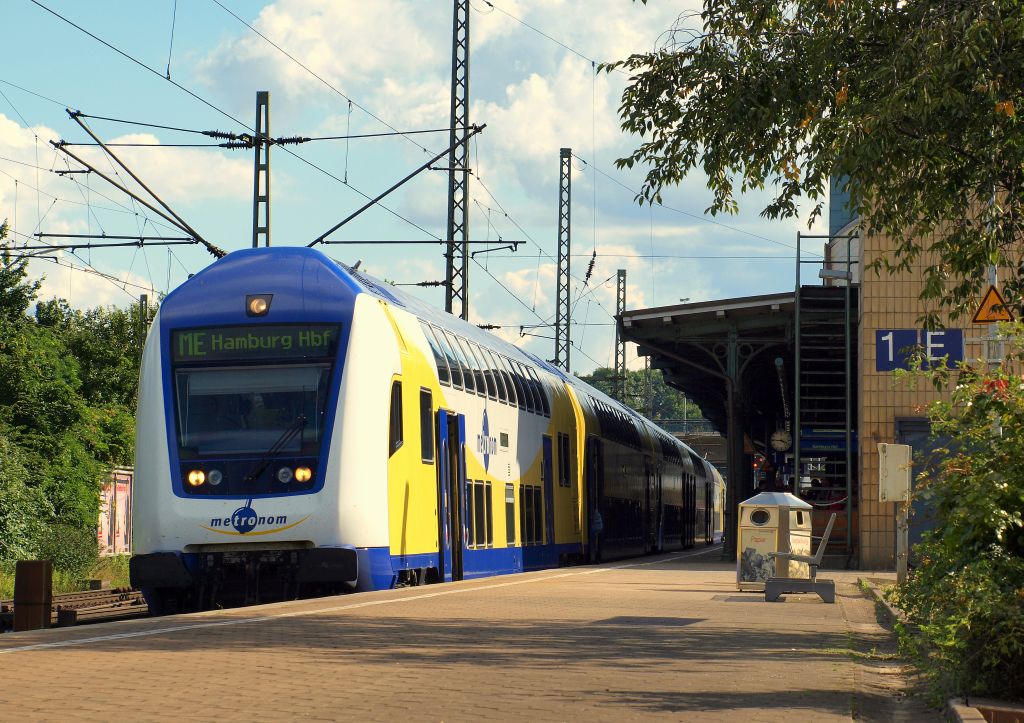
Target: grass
x,y
112,569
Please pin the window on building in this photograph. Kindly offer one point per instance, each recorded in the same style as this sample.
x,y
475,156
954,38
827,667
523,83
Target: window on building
x,y
395,426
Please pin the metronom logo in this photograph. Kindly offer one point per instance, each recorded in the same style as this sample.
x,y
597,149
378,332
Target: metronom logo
x,y
245,520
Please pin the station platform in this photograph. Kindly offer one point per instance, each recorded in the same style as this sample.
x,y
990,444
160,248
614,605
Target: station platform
x,y
665,637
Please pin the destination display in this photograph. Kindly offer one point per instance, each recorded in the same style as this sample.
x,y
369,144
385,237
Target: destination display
x,y
255,342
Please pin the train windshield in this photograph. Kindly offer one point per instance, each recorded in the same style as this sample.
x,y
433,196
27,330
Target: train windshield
x,y
246,410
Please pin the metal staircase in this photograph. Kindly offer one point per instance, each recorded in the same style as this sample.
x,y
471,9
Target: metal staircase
x,y
826,331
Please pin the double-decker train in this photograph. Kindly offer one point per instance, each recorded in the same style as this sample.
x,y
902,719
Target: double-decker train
x,y
304,429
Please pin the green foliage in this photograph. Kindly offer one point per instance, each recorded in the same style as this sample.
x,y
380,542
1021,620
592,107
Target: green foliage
x,y
107,343
912,103
68,382
71,548
647,393
967,594
24,510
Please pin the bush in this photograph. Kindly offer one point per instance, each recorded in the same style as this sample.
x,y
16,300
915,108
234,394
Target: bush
x,y
72,550
970,615
966,597
24,510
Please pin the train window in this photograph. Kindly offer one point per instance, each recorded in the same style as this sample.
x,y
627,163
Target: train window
x,y
492,391
426,426
478,533
540,391
526,513
532,400
563,460
510,514
499,382
395,430
509,386
474,363
246,410
443,374
517,383
453,364
488,514
538,516
467,369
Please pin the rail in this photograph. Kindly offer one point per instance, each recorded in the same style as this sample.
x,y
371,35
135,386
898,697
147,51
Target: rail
x,y
88,606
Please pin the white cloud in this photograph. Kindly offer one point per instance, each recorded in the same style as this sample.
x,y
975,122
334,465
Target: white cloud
x,y
176,174
84,290
345,43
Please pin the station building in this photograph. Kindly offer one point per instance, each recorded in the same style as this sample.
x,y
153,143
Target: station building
x,y
802,383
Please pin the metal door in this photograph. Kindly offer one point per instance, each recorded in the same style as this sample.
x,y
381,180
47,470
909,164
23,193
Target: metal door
x,y
549,512
451,486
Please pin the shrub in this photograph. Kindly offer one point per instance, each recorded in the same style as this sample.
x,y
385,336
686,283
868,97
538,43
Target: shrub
x,y
72,550
966,596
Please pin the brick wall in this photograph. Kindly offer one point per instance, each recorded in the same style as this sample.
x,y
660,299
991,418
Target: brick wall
x,y
889,302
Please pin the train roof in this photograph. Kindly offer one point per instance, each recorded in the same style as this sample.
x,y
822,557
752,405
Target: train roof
x,y
289,260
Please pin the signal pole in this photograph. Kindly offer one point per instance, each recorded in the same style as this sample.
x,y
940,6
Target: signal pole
x,y
456,295
562,310
620,345
261,172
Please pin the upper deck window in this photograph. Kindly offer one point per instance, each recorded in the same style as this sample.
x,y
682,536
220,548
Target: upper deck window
x,y
443,373
467,367
453,364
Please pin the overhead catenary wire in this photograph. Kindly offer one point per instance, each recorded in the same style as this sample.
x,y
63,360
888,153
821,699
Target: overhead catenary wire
x,y
227,115
690,214
315,75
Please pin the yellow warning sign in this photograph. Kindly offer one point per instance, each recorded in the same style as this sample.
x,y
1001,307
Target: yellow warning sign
x,y
993,308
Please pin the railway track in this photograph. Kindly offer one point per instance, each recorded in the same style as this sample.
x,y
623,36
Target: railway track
x,y
89,606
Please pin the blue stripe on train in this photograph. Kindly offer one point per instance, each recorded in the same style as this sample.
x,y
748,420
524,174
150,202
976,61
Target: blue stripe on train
x,y
378,568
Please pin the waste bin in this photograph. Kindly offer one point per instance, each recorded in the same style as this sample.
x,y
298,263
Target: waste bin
x,y
771,522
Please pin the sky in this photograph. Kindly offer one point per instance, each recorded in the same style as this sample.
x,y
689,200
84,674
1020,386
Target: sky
x,y
357,68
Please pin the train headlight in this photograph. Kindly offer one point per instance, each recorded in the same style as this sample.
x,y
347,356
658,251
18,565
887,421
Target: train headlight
x,y
303,474
284,475
215,477
258,304
196,477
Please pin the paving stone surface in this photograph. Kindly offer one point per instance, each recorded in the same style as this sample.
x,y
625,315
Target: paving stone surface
x,y
658,638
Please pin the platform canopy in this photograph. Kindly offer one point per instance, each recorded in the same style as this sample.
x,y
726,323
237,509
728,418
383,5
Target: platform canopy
x,y
703,347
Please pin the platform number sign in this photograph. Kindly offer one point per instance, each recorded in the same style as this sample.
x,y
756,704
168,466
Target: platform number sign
x,y
894,348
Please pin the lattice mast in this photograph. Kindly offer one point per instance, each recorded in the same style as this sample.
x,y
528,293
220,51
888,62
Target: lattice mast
x,y
562,310
261,171
620,345
456,300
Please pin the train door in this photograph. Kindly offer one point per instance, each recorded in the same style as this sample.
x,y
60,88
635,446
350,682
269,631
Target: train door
x,y
597,518
659,538
651,504
451,437
549,507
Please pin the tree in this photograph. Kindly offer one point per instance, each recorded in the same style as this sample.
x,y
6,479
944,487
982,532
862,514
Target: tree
x,y
911,103
67,384
647,393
